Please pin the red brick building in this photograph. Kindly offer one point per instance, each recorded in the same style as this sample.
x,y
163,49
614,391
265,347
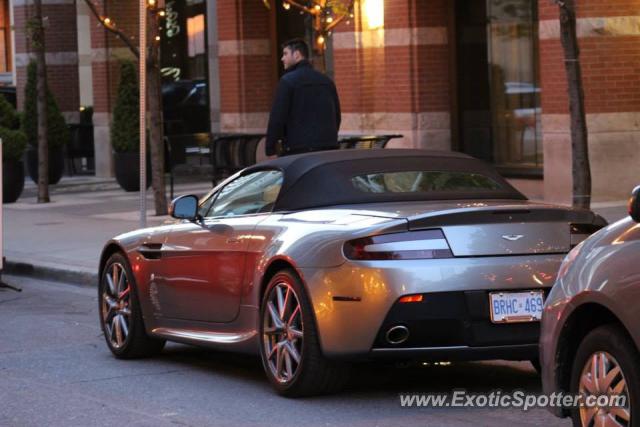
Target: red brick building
x,y
481,76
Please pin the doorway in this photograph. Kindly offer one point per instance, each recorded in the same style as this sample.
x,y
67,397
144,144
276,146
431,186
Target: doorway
x,y
498,83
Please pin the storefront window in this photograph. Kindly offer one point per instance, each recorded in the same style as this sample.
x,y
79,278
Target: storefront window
x,y
184,67
514,86
498,87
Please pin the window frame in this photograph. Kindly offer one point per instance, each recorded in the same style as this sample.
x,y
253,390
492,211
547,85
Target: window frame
x,y
216,193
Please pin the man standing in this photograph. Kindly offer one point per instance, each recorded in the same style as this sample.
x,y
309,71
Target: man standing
x,y
306,111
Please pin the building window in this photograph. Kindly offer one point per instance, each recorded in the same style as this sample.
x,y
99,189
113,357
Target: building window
x,y
184,67
498,84
514,84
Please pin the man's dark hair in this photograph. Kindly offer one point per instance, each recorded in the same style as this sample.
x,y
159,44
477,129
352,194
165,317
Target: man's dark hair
x,y
297,45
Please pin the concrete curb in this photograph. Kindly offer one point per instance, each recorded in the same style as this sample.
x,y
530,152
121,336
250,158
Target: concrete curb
x,y
59,274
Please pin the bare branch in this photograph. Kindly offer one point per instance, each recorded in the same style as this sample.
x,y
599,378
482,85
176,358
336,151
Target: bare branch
x,y
120,34
301,7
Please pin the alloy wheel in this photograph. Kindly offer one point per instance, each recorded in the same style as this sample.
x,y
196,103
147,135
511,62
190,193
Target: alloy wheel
x,y
600,376
116,305
283,332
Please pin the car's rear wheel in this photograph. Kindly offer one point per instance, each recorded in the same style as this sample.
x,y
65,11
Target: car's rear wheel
x,y
290,347
120,314
607,364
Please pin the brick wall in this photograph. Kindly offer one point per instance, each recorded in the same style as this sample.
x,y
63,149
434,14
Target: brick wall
x,y
395,78
247,72
107,53
609,42
61,53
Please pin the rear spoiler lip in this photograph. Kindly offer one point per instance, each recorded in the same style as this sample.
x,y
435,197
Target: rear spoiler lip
x,y
506,214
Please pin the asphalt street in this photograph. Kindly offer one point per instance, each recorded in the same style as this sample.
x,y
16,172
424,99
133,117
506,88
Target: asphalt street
x,y
55,370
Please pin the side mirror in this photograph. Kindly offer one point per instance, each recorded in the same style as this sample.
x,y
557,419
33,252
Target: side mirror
x,y
634,204
184,207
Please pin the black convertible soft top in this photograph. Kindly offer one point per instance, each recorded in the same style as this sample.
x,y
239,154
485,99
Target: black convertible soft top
x,y
324,178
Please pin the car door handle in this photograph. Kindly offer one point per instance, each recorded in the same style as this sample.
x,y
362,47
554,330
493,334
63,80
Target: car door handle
x,y
231,240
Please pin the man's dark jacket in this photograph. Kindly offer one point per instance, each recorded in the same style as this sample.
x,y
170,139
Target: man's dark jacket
x,y
306,112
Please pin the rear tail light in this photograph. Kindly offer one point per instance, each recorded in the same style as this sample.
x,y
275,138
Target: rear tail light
x,y
411,298
426,244
580,232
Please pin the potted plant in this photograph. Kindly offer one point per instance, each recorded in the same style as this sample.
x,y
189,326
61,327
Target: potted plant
x,y
13,145
125,130
57,132
14,142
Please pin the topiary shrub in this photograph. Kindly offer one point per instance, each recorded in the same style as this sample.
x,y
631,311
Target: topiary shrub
x,y
57,131
8,115
14,142
125,127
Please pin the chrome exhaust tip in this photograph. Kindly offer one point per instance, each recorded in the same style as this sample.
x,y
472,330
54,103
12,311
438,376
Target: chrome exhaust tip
x,y
397,334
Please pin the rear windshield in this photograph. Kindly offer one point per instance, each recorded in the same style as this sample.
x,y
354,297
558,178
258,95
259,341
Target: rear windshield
x,y
423,181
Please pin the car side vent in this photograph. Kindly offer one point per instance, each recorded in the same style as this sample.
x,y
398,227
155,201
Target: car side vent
x,y
151,250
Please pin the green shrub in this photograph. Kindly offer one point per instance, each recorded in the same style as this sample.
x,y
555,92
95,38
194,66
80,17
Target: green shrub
x,y
8,115
125,127
57,131
14,142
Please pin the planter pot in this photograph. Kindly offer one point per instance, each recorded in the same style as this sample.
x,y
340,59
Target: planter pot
x,y
56,164
12,180
127,169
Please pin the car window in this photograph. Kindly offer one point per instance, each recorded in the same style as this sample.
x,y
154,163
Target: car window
x,y
248,194
422,181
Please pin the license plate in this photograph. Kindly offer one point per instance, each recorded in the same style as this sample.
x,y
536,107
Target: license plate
x,y
510,307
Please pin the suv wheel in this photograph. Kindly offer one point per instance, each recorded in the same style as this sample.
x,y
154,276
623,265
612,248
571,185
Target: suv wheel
x,y
607,364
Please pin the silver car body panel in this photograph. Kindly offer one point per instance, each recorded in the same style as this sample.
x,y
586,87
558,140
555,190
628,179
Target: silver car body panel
x,y
603,271
379,284
312,241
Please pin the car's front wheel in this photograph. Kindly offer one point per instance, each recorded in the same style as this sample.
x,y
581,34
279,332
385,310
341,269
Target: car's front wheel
x,y
290,347
120,314
607,364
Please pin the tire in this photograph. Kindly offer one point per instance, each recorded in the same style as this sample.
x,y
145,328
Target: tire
x,y
619,350
313,374
120,315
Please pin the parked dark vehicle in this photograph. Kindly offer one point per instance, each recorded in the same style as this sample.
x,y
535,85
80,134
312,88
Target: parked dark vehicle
x,y
313,260
590,338
185,107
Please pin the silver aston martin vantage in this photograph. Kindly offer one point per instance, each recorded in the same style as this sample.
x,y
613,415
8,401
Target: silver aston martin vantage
x,y
320,259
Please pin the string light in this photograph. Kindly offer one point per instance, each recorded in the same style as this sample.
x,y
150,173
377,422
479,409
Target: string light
x,y
326,15
108,22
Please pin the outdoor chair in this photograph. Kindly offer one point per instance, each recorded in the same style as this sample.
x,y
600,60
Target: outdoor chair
x,y
365,141
233,152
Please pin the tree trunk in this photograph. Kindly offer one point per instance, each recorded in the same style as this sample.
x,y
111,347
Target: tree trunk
x,y
41,85
581,170
156,134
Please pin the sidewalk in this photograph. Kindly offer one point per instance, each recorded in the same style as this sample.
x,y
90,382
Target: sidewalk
x,y
62,240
